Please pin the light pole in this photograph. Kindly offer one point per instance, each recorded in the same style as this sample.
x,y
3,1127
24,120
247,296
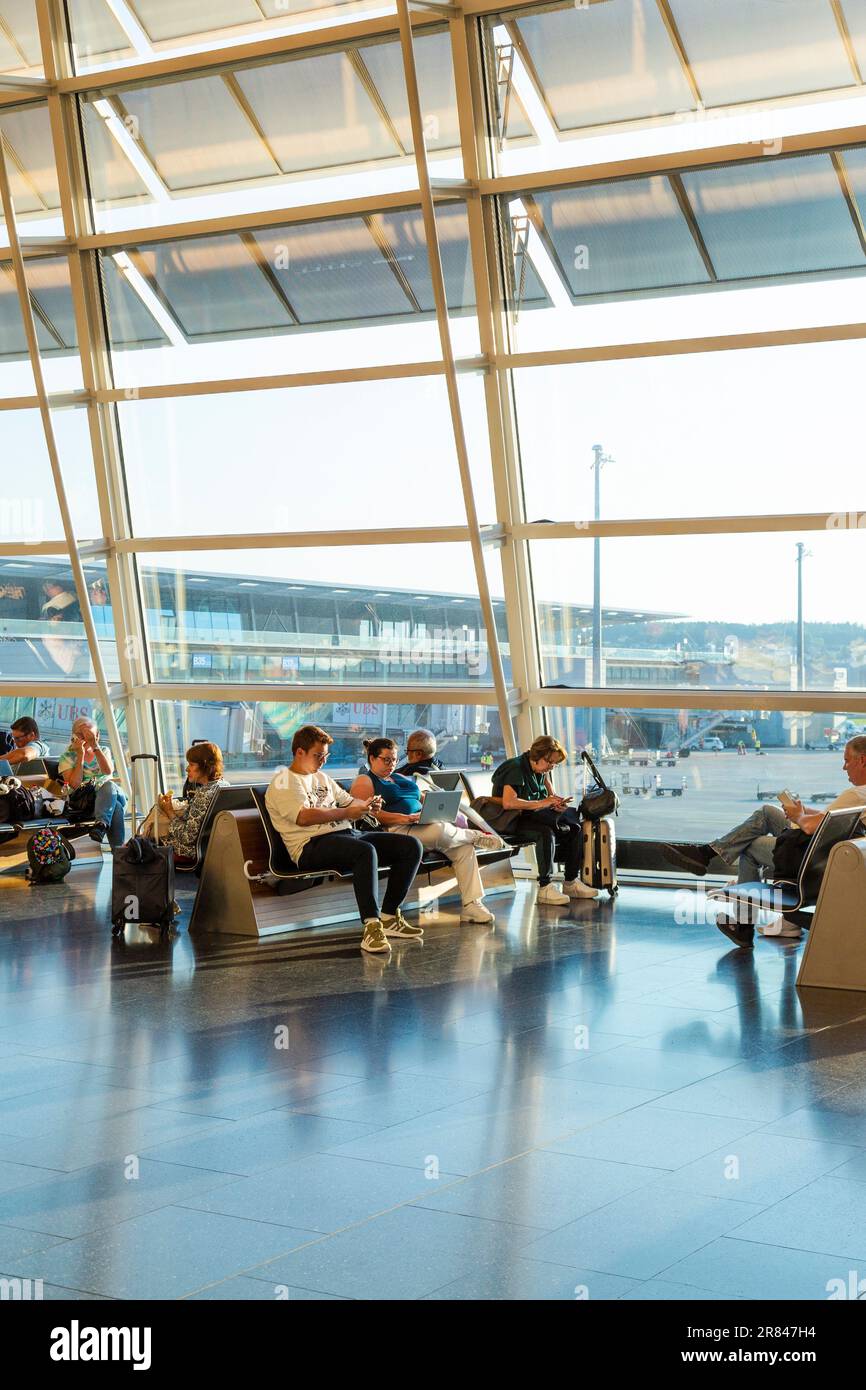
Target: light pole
x,y
597,720
802,552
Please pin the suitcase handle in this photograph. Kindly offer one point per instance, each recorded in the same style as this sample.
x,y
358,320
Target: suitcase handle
x,y
136,758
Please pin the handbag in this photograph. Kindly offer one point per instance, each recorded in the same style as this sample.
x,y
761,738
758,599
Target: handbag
x,y
81,802
600,800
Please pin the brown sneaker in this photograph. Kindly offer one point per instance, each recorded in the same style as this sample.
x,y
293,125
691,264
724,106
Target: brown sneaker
x,y
374,939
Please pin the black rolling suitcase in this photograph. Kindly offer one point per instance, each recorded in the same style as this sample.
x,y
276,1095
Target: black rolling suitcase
x,y
598,851
142,884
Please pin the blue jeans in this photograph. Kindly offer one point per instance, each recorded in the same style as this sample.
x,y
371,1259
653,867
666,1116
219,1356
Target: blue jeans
x,y
750,845
108,807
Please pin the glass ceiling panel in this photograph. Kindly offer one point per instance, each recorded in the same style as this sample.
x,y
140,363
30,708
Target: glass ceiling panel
x,y
112,177
164,20
335,271
855,17
96,33
212,286
384,63
774,218
608,61
745,50
347,270
315,112
174,19
130,324
51,294
19,37
32,173
196,133
629,235
405,232
52,305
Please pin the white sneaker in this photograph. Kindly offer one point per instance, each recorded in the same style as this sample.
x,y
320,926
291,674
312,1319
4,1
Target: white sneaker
x,y
476,912
551,896
780,926
576,889
484,841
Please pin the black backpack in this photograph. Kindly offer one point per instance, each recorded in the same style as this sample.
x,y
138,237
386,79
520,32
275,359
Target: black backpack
x,y
17,804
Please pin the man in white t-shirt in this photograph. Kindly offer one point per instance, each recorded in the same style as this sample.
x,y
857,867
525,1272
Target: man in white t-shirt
x,y
315,818
750,845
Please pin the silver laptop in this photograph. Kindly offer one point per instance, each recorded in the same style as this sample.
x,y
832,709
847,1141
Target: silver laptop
x,y
440,806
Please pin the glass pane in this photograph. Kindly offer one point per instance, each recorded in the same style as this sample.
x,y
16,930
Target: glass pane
x,y
256,736
354,615
40,621
592,64
28,508
625,236
750,49
55,715
723,764
775,218
155,28
54,317
715,611
20,52
626,78
32,175
207,299
208,464
294,130
705,434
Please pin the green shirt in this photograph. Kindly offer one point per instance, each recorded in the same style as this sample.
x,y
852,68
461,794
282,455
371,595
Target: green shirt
x,y
91,772
518,773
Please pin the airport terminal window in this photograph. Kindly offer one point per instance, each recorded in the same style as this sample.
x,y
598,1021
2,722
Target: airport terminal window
x,y
192,483
101,41
297,129
28,507
42,634
283,298
673,781
759,244
715,612
721,433
297,606
256,736
606,80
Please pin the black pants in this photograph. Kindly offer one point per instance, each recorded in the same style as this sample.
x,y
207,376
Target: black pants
x,y
562,844
347,851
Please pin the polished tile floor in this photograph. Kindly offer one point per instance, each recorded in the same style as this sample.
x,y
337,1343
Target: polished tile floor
x,y
592,1103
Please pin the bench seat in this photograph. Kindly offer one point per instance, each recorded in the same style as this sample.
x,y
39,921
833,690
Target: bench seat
x,y
234,897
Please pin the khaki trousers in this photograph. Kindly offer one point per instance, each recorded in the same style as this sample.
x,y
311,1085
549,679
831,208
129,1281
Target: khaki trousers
x,y
458,846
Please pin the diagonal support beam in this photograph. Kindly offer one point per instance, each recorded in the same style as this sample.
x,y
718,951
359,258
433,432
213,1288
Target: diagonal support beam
x,y
437,277
54,460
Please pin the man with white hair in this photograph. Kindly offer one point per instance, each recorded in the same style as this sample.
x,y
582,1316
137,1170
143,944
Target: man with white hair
x,y
420,752
87,764
750,845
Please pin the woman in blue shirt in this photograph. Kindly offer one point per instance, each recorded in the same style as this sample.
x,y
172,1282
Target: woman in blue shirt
x,y
401,810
